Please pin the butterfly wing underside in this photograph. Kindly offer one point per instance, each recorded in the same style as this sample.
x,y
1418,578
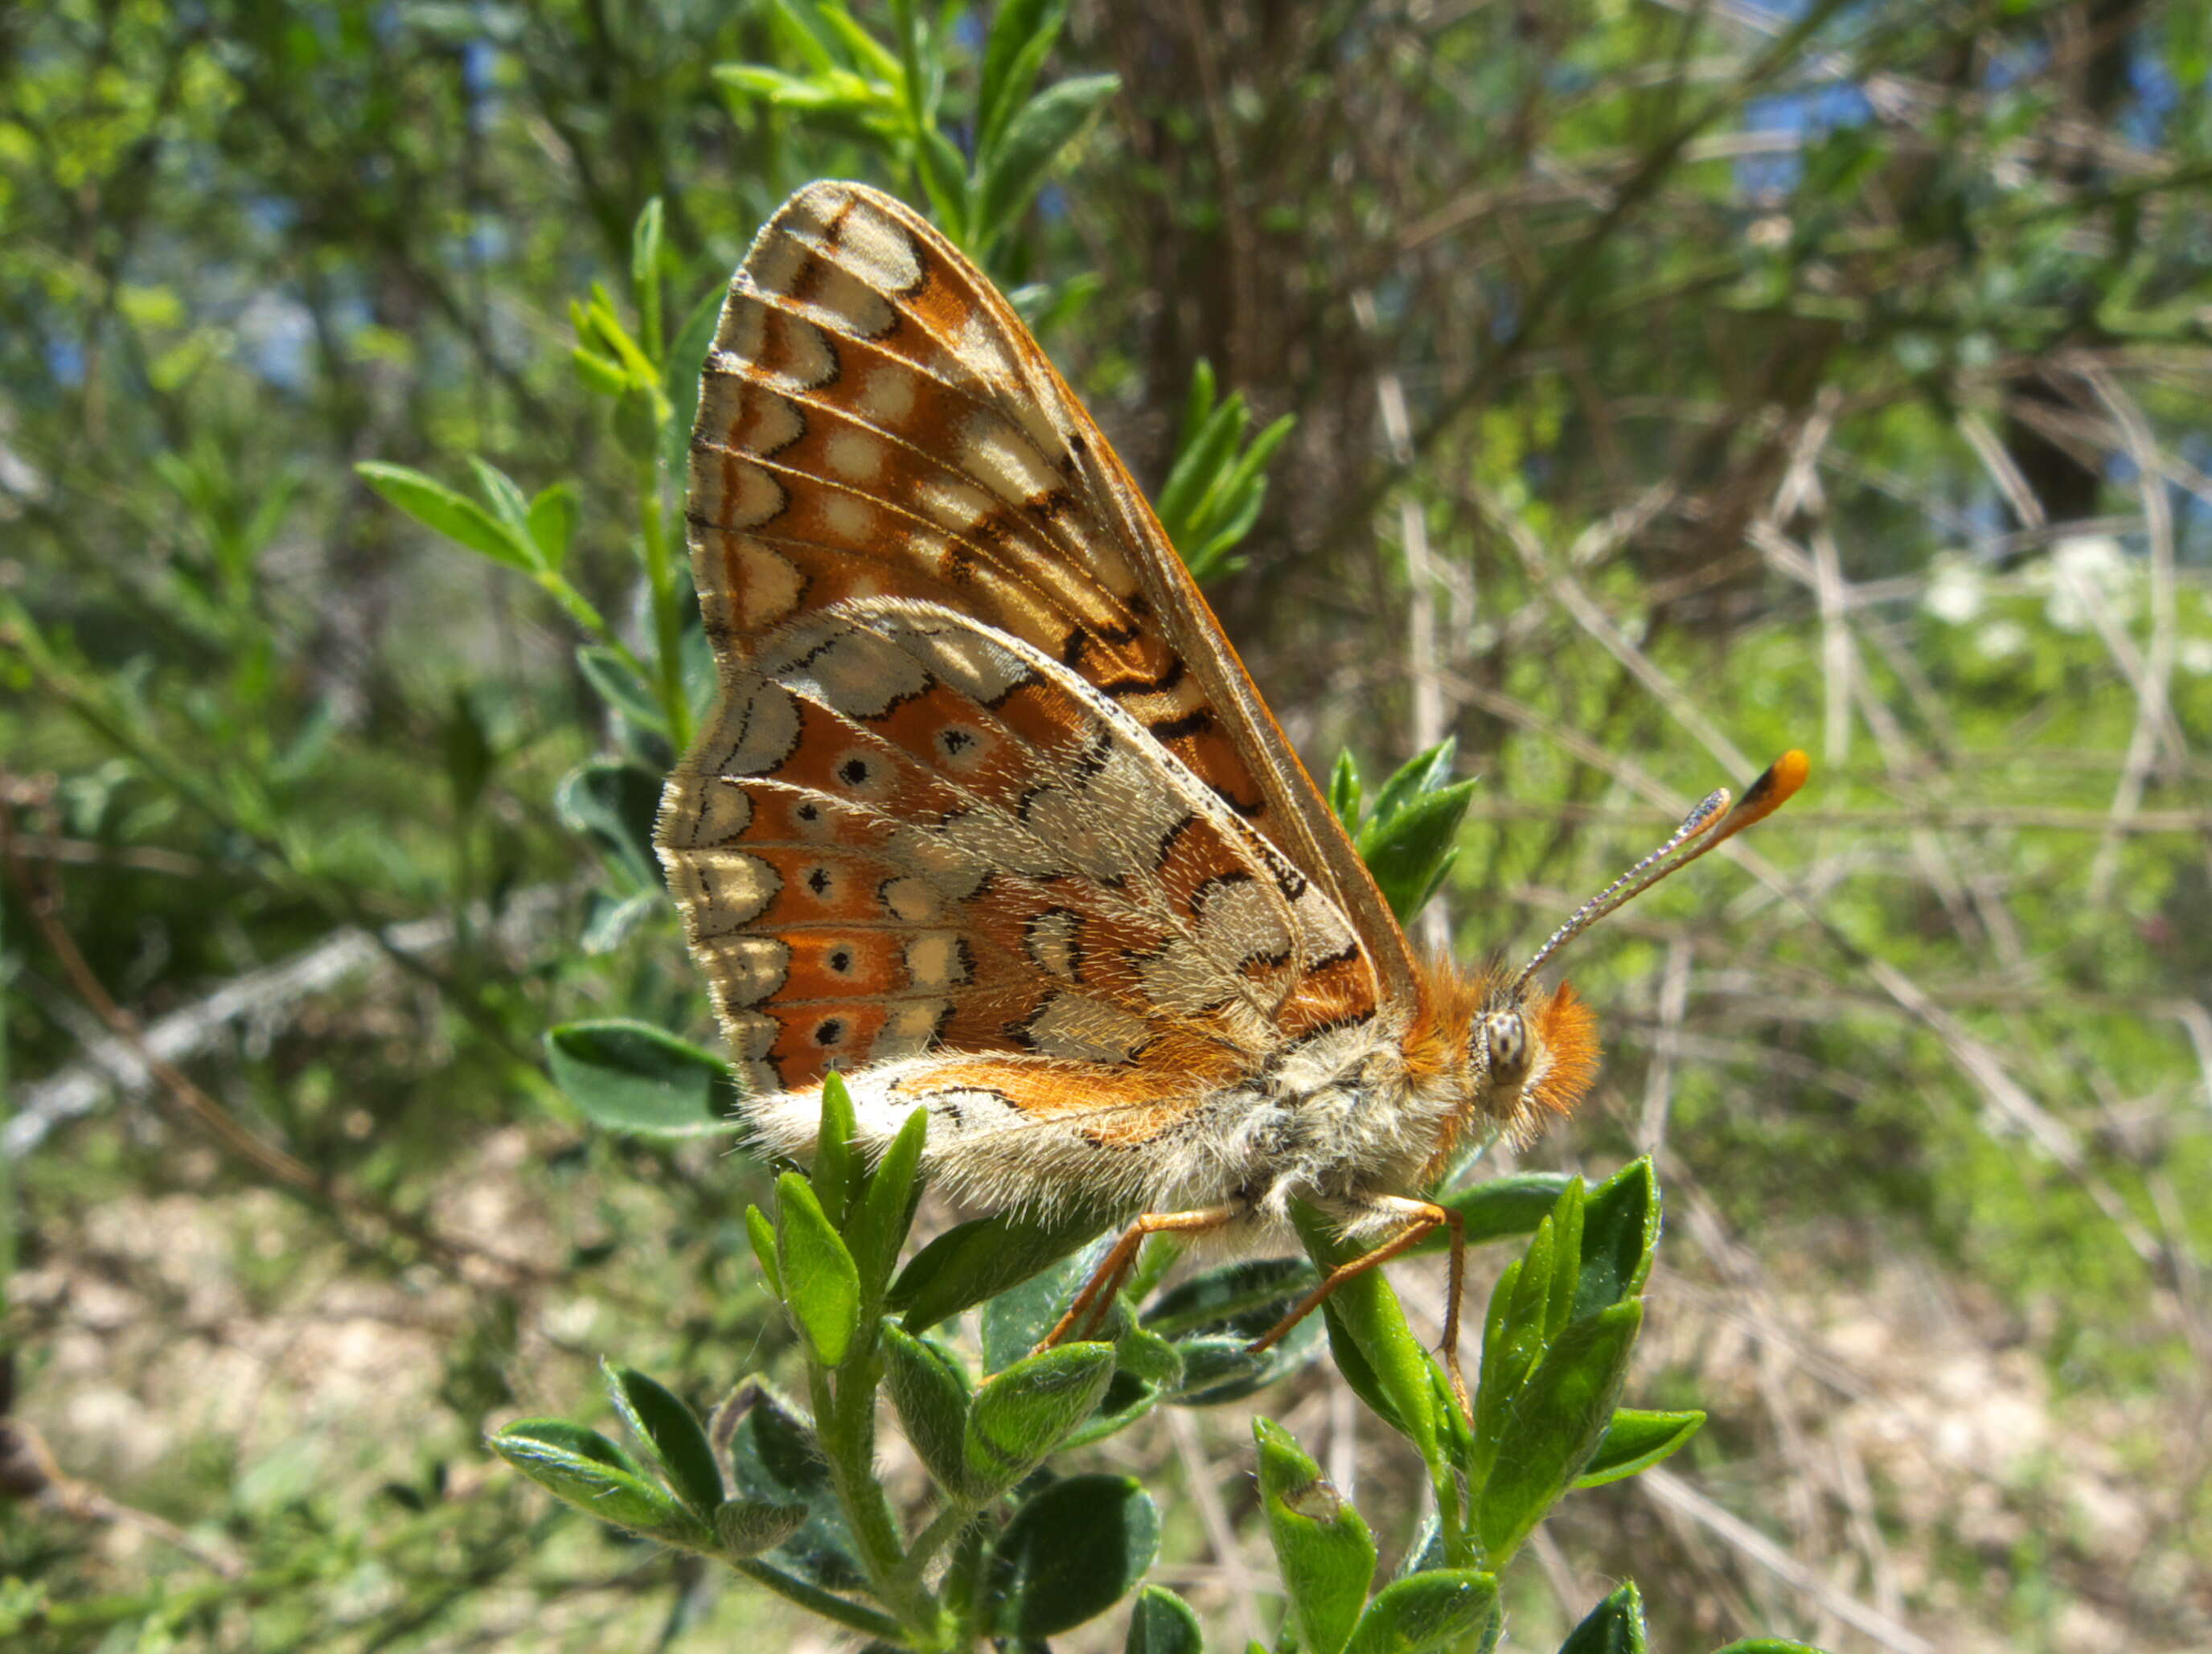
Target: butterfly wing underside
x,y
987,799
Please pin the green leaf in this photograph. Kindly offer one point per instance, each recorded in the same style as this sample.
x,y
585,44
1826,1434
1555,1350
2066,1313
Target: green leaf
x,y
618,684
1410,853
821,1283
1367,1313
1162,1623
671,1430
1344,798
1024,1412
613,805
551,522
885,1211
1553,1425
1636,1441
1021,33
1613,1626
1497,1208
1250,1297
1620,1230
979,1259
747,1527
1128,1399
1424,773
762,1233
583,1469
456,516
687,361
1427,1612
1322,1544
1015,1320
836,1165
507,500
645,274
776,1458
631,1076
1071,1552
930,1394
1033,140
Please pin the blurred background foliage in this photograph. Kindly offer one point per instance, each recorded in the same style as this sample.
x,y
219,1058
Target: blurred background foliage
x,y
1671,383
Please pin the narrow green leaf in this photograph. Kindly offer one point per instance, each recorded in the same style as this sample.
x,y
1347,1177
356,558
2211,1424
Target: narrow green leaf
x,y
1071,1552
1344,790
559,1459
1162,1623
821,1283
1636,1441
1620,1230
599,374
1560,1304
1021,33
672,1432
644,275
631,1076
1368,1312
1411,851
1553,1425
1032,143
551,522
930,1394
837,1163
762,1233
1425,1613
687,360
747,1527
1424,772
885,1211
456,516
1250,1297
979,1259
1025,1411
1613,1626
508,502
1322,1544
1497,1208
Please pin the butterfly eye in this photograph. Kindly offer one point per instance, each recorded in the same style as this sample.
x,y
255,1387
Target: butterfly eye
x,y
1506,1044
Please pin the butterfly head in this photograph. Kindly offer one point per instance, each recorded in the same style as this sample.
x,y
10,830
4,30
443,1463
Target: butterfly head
x,y
1519,1053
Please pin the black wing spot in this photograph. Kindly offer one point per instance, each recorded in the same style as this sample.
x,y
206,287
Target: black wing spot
x,y
829,1031
818,880
841,961
853,772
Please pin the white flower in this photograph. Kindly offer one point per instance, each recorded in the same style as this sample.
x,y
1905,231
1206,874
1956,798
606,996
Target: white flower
x,y
2000,640
1955,591
2085,575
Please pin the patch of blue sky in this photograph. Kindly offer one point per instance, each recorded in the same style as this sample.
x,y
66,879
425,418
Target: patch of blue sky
x,y
1808,116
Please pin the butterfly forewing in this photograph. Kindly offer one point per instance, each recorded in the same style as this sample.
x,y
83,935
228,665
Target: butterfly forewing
x,y
984,778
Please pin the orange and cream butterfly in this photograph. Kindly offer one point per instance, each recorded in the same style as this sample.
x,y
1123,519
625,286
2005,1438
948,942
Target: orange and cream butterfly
x,y
990,819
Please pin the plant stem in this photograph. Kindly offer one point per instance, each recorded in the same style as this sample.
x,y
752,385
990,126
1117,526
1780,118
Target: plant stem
x,y
829,1605
845,1422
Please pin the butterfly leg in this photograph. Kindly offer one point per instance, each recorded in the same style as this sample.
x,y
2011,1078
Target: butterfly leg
x,y
1099,1292
1423,1218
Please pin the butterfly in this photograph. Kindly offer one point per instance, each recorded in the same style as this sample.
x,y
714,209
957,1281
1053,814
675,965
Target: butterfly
x,y
990,819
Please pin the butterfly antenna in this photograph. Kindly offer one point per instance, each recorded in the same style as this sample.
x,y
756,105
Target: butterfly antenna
x,y
1706,828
